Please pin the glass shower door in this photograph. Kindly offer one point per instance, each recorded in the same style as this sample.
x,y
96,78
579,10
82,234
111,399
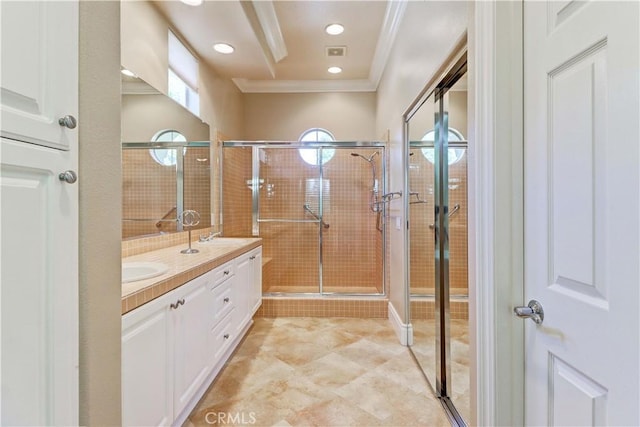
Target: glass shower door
x,y
353,236
437,178
288,193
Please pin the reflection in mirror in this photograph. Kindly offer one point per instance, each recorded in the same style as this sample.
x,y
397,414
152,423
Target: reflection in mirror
x,y
448,338
166,165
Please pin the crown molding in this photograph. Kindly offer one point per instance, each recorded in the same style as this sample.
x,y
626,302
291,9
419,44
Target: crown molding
x,y
268,20
389,30
388,33
301,86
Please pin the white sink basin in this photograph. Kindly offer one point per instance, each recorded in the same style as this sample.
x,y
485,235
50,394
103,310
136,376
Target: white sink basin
x,y
227,241
134,271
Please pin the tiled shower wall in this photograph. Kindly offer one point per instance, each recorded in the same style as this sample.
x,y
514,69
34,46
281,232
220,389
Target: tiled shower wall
x,y
352,255
149,191
422,245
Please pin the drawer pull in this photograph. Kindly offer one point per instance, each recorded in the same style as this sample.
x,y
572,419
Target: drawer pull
x,y
226,336
226,272
226,299
252,257
177,304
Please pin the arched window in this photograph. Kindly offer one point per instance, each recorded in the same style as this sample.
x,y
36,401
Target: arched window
x,y
166,156
454,154
310,155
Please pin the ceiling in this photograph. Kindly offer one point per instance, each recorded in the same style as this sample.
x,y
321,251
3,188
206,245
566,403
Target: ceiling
x,y
281,46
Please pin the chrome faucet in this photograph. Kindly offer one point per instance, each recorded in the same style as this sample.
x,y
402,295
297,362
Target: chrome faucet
x,y
211,236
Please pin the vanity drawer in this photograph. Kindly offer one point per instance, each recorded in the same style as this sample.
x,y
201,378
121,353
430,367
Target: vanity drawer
x,y
221,337
222,300
223,273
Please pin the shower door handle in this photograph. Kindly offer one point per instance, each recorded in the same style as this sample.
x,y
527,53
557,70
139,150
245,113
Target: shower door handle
x,y
455,209
315,215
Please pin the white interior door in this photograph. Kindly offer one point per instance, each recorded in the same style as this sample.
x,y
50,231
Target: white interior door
x,y
581,212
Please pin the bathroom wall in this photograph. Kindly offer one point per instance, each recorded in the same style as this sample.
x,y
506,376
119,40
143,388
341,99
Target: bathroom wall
x,y
285,116
428,33
100,210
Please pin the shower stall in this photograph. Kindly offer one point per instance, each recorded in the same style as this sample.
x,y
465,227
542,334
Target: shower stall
x,y
318,208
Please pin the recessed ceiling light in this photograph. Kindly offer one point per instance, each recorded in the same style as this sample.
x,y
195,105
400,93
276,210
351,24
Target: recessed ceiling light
x,y
334,29
334,70
127,72
192,2
223,48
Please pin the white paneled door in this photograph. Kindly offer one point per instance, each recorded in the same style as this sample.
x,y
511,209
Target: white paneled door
x,y
582,222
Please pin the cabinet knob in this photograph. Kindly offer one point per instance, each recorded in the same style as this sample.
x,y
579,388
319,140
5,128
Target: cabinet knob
x,y
252,257
226,272
226,336
68,121
226,299
68,176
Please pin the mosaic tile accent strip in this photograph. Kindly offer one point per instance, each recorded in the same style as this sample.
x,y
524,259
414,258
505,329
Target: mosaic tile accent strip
x,y
323,307
424,309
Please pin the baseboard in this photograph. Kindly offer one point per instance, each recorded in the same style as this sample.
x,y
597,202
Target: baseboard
x,y
404,331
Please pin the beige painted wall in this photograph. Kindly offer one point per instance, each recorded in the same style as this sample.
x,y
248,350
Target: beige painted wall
x,y
428,33
99,229
285,116
145,115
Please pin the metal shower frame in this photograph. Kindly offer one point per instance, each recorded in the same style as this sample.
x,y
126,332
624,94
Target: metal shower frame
x,y
255,198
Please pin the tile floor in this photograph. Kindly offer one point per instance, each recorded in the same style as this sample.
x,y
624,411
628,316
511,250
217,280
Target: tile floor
x,y
424,348
320,372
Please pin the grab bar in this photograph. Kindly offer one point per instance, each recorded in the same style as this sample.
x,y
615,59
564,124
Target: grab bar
x,y
419,200
159,223
313,214
455,209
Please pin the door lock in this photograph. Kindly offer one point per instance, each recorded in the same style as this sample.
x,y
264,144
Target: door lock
x,y
532,311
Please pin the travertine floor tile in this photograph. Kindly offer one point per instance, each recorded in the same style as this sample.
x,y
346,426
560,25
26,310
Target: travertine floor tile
x,y
320,372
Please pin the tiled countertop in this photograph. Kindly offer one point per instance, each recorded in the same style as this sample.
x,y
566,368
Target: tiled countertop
x,y
182,267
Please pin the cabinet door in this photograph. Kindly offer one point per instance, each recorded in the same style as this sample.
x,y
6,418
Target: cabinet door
x,y
39,82
147,369
39,304
191,327
256,285
242,290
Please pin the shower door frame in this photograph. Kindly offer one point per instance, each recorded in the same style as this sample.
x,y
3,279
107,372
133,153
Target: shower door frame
x,y
436,93
255,202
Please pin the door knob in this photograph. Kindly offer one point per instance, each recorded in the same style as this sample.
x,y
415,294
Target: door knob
x,y
532,311
68,176
68,122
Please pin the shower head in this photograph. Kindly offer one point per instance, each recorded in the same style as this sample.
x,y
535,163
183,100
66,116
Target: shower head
x,y
370,159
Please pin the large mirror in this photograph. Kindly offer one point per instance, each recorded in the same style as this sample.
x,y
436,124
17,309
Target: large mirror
x,y
166,162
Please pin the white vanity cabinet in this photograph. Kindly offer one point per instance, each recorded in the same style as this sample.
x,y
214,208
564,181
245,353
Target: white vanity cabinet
x,y
249,289
191,323
175,345
147,364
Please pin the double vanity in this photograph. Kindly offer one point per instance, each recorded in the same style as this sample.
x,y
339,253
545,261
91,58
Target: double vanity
x,y
183,315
